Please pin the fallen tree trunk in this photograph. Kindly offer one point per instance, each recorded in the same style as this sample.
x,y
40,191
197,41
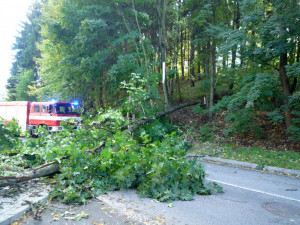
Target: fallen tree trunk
x,y
41,171
142,121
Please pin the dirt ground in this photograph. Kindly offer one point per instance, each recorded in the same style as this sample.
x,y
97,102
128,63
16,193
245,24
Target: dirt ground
x,y
274,136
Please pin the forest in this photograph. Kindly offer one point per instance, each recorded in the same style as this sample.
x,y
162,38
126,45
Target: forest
x,y
239,59
243,56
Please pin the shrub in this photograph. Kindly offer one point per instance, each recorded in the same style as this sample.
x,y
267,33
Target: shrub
x,y
294,129
8,135
206,133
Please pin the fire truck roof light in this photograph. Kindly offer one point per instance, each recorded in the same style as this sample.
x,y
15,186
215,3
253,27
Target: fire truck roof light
x,y
53,100
75,103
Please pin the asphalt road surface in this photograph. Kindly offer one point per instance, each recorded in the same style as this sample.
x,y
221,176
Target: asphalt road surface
x,y
249,198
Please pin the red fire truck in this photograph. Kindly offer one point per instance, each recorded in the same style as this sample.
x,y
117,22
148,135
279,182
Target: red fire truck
x,y
31,115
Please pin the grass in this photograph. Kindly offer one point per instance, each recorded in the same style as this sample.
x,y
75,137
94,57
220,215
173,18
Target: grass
x,y
262,157
188,93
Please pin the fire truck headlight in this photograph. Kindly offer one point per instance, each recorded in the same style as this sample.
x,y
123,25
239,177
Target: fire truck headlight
x,y
56,128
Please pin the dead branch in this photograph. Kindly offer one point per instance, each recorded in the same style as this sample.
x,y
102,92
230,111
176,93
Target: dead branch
x,y
97,148
48,164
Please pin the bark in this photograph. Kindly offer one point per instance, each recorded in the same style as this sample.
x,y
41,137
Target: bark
x,y
212,78
285,88
182,65
192,68
212,68
141,38
178,87
161,7
224,61
182,53
206,69
97,149
175,79
188,55
41,171
236,25
295,80
233,57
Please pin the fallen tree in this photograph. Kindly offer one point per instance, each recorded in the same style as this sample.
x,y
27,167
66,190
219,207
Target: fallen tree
x,y
54,167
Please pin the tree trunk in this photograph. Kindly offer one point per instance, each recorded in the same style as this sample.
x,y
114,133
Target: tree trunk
x,y
188,53
212,78
285,88
161,6
233,57
182,53
235,25
141,39
199,61
40,171
212,66
191,64
224,61
207,69
295,81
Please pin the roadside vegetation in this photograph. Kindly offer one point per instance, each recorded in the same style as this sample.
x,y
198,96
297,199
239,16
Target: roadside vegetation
x,y
262,157
271,148
9,133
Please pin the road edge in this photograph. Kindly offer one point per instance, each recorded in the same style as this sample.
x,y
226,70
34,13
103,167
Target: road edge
x,y
21,209
246,165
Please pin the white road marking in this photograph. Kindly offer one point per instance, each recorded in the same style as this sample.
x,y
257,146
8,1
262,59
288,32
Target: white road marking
x,y
254,190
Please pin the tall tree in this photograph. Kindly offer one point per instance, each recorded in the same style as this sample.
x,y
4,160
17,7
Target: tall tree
x,y
26,54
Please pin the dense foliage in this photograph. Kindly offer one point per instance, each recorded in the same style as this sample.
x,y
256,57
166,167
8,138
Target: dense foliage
x,y
245,51
157,169
9,133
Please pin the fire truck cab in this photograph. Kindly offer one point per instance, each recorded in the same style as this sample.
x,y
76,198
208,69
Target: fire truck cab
x,y
31,115
51,114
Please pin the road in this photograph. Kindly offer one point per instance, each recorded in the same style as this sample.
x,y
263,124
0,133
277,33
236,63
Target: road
x,y
249,198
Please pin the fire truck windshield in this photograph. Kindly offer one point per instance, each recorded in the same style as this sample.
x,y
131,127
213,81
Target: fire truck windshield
x,y
66,108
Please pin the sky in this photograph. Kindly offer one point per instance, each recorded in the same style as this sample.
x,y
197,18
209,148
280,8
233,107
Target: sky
x,y
12,13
